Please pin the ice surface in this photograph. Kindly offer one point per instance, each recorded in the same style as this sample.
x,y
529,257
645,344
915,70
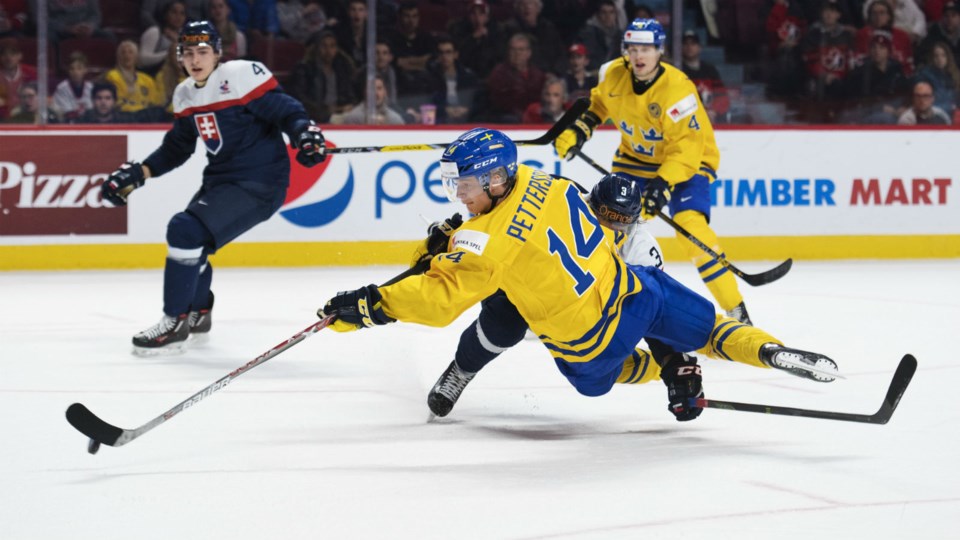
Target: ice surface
x,y
331,440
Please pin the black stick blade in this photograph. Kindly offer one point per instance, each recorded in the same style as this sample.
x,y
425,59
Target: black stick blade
x,y
92,426
901,379
770,275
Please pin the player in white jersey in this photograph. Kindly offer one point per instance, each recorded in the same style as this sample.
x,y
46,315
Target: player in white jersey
x,y
240,113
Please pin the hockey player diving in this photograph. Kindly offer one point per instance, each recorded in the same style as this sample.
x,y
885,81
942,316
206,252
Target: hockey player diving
x,y
666,143
535,238
239,111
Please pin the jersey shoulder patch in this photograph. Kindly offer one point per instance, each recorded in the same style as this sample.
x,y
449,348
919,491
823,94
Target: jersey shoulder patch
x,y
683,108
470,240
244,75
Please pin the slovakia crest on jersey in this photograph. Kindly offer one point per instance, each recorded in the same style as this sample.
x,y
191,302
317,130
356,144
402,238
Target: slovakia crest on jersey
x,y
209,131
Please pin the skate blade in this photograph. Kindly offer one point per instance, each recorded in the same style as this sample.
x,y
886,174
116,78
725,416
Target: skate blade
x,y
199,338
827,374
169,350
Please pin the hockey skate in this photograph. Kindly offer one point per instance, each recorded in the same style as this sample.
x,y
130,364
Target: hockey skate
x,y
200,321
739,313
445,393
165,337
804,364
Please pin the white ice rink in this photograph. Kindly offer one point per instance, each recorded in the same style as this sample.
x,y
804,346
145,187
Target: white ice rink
x,y
330,439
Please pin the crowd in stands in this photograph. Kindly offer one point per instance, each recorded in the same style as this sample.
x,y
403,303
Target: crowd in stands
x,y
491,61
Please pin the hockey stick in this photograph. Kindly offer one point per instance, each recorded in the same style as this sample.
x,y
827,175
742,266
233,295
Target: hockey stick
x,y
575,110
898,385
100,432
753,279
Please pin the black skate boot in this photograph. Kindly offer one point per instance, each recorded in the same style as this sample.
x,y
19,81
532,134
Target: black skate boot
x,y
804,364
165,337
445,393
201,320
740,313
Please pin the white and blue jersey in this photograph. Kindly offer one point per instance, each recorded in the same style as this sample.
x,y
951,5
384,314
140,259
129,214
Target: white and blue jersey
x,y
239,115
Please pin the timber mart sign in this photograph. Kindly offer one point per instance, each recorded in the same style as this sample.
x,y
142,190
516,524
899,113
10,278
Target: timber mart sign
x,y
50,184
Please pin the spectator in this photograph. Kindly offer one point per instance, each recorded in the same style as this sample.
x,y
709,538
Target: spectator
x,y
548,50
106,111
300,20
71,18
907,16
412,48
880,18
156,40
602,35
946,30
924,112
551,105
383,115
785,27
170,75
233,41
514,84
705,77
135,89
940,70
827,49
878,86
73,95
13,74
323,81
383,63
13,17
579,82
256,18
352,34
28,110
196,11
454,84
479,40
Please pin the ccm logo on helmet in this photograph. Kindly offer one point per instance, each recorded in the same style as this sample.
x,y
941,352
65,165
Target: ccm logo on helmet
x,y
484,163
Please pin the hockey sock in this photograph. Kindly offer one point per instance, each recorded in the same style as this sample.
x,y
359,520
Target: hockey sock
x,y
738,342
201,298
180,278
720,281
639,368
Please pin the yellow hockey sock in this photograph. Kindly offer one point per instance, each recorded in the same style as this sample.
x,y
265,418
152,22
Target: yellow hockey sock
x,y
639,368
738,342
720,281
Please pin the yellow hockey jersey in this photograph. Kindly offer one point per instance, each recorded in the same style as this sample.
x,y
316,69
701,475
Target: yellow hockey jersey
x,y
547,251
143,93
664,131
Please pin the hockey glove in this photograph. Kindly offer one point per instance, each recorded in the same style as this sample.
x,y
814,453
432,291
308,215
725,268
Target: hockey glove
x,y
438,237
574,137
355,310
121,182
684,383
656,195
310,143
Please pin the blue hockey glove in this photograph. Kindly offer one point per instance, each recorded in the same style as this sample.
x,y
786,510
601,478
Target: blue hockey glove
x,y
684,383
355,310
310,146
656,195
121,182
438,237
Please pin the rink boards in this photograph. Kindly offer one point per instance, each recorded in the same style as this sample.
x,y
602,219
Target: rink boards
x,y
801,193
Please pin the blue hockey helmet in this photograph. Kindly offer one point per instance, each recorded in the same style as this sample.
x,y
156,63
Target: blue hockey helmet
x,y
645,32
478,153
616,200
200,33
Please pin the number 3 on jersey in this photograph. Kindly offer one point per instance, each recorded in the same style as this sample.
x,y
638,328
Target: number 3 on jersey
x,y
583,246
